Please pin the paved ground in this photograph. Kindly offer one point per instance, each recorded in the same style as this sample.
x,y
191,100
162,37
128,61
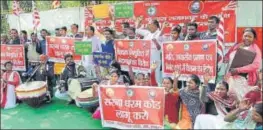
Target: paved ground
x,y
56,115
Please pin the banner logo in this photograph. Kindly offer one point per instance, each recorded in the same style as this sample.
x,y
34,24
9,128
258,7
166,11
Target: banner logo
x,y
151,11
195,7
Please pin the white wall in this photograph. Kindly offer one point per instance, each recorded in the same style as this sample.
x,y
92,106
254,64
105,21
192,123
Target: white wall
x,y
249,14
50,19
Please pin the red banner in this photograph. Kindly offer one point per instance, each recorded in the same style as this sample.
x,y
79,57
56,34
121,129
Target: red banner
x,y
88,16
176,12
137,107
258,31
102,23
190,57
136,53
15,54
57,47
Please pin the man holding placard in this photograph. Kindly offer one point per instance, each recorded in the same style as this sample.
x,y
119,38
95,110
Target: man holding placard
x,y
153,34
96,47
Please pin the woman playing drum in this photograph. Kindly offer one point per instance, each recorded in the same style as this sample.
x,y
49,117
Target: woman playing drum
x,y
10,79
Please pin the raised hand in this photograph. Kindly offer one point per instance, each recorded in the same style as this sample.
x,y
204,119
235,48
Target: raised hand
x,y
207,76
111,13
193,20
244,105
177,74
165,24
140,18
154,65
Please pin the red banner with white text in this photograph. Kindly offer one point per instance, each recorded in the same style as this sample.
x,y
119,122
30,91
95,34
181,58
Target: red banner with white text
x,y
176,12
15,54
190,57
135,53
137,107
57,47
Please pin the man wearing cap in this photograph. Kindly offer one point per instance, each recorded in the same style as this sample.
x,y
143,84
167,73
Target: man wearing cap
x,y
43,72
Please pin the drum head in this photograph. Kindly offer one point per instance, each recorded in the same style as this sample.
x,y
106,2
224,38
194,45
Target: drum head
x,y
86,94
29,86
74,88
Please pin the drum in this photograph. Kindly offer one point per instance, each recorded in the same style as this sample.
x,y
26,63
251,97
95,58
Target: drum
x,y
32,93
76,86
86,99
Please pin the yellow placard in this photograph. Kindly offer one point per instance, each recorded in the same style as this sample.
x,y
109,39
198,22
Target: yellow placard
x,y
101,11
58,68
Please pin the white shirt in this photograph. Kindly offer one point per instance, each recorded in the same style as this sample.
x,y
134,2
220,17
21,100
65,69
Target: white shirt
x,y
96,43
32,54
96,47
147,35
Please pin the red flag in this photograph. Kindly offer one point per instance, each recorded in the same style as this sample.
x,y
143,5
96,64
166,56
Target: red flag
x,y
232,5
220,38
36,17
16,8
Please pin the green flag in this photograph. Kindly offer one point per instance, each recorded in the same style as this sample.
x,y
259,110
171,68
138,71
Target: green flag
x,y
124,10
83,48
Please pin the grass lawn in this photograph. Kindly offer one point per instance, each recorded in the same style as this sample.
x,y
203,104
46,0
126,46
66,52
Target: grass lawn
x,y
56,115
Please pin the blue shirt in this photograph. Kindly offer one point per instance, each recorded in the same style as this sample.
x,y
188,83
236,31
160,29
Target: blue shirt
x,y
108,47
43,46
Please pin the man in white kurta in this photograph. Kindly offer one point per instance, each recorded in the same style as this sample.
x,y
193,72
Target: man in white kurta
x,y
152,33
96,47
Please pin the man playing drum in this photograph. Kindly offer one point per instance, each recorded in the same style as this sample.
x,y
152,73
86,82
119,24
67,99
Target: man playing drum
x,y
68,72
44,72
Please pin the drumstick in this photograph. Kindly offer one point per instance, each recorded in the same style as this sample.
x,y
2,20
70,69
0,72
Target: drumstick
x,y
33,74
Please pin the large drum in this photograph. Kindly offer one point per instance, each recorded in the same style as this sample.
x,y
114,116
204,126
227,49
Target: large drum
x,y
76,86
32,93
87,99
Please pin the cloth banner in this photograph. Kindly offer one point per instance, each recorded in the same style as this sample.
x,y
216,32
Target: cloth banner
x,y
137,107
178,12
135,53
57,47
190,57
15,54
